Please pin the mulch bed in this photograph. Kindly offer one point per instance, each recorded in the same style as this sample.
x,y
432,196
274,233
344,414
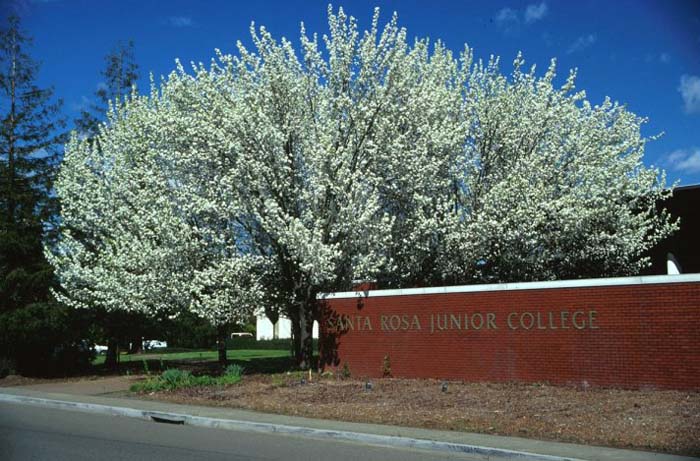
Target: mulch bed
x,y
18,380
666,421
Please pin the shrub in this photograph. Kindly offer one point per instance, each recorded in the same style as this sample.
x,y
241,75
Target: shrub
x,y
7,367
45,339
174,378
168,380
234,370
266,344
232,375
189,331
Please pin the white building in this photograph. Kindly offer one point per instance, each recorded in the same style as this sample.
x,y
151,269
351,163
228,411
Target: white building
x,y
264,329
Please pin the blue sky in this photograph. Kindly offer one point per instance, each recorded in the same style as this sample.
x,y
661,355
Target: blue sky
x,y
645,54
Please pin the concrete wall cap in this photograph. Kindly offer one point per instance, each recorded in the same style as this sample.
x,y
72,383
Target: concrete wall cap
x,y
555,284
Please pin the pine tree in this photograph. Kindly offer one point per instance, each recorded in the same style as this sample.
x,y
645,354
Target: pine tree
x,y
120,74
31,134
37,335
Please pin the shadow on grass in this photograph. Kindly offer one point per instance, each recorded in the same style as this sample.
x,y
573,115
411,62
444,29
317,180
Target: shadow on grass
x,y
256,365
266,365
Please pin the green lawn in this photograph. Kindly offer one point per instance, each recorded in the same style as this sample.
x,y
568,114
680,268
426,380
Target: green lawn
x,y
232,354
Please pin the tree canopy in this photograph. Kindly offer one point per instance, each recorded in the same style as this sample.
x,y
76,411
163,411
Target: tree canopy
x,y
30,136
272,175
37,336
120,75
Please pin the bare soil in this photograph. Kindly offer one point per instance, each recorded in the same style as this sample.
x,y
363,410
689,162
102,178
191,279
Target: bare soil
x,y
665,421
18,380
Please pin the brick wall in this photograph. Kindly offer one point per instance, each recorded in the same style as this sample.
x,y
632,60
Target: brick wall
x,y
631,336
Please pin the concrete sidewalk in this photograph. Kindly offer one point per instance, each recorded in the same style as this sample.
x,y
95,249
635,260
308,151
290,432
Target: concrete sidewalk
x,y
107,396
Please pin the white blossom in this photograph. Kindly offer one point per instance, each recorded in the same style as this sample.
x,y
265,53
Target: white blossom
x,y
271,175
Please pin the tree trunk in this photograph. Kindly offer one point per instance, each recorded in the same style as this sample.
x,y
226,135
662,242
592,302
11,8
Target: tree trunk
x,y
136,345
11,133
274,317
112,358
306,324
304,340
221,343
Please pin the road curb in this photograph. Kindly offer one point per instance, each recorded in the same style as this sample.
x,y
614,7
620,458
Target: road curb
x,y
250,426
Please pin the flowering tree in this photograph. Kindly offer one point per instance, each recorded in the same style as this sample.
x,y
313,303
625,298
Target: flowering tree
x,y
269,177
137,235
307,133
554,186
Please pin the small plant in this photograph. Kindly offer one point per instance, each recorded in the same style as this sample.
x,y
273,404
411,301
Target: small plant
x,y
232,375
174,378
168,380
205,380
234,370
346,370
386,367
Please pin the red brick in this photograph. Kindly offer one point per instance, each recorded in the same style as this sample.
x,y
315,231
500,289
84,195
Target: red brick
x,y
648,336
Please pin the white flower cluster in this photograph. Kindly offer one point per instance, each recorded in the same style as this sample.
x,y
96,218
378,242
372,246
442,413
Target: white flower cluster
x,y
269,176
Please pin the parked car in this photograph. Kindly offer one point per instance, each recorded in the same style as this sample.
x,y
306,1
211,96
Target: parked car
x,y
241,334
154,344
100,349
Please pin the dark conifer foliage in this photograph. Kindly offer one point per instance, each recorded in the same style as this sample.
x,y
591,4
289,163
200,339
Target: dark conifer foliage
x,y
120,75
37,335
31,136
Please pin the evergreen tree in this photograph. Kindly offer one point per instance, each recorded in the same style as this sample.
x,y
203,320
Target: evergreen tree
x,y
120,74
31,132
37,334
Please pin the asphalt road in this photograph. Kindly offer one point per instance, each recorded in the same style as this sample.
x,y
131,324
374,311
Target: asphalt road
x,y
35,433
